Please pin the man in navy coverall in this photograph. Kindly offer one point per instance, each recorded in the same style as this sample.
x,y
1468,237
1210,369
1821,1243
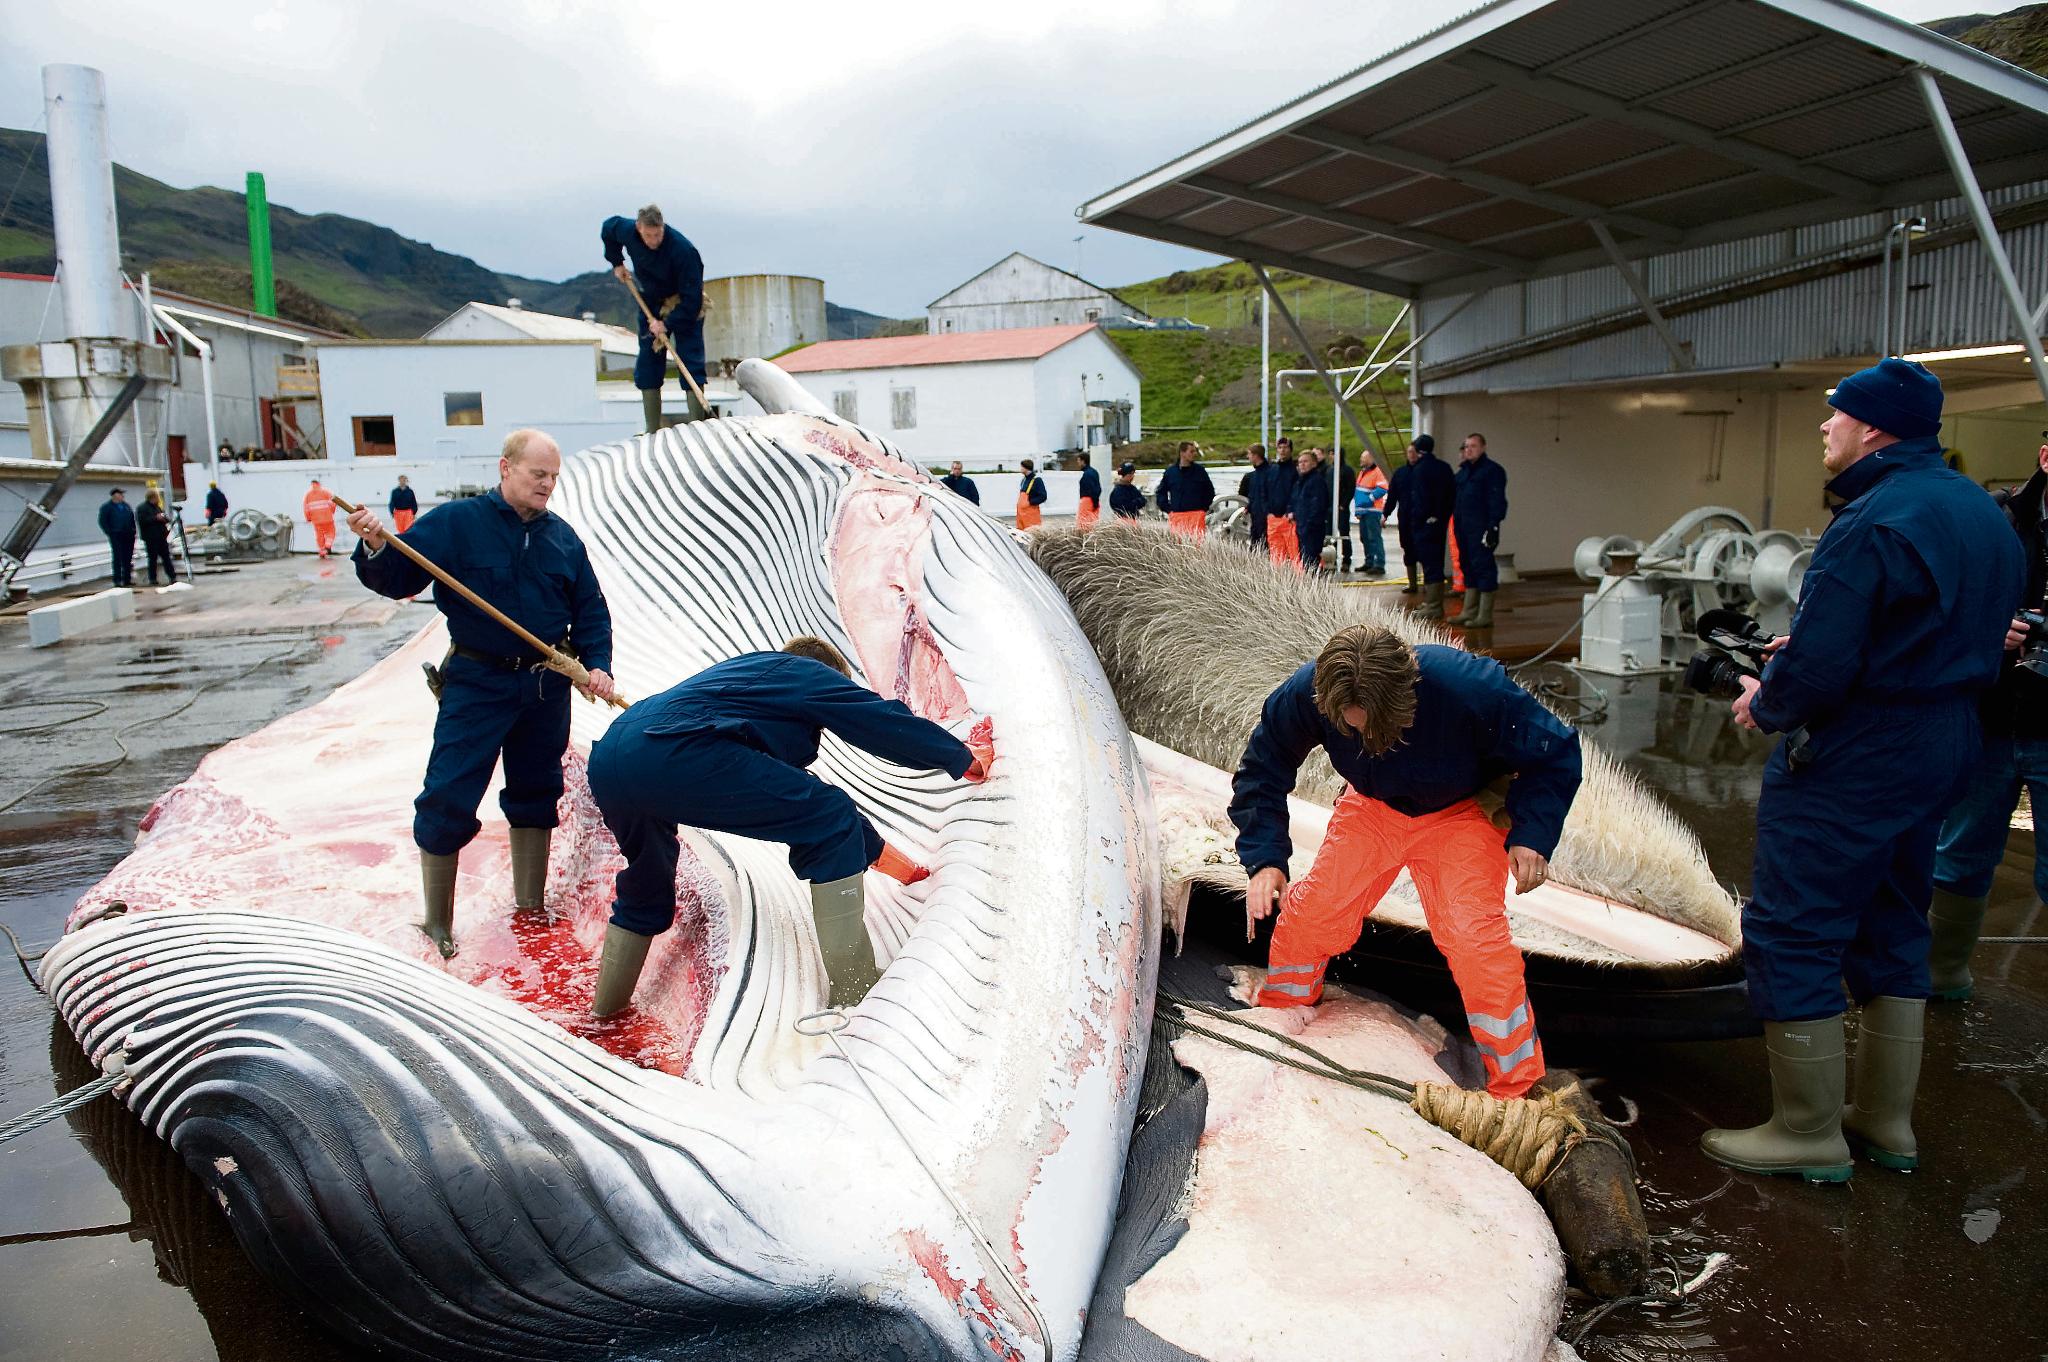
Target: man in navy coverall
x,y
1428,497
1900,627
495,696
727,750
1481,505
670,275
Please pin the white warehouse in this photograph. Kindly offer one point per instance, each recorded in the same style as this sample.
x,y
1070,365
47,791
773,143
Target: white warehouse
x,y
985,397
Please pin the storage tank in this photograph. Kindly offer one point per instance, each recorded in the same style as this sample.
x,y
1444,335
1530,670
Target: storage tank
x,y
756,316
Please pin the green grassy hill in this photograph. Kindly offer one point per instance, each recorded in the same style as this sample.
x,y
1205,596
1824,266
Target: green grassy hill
x,y
2019,36
1204,385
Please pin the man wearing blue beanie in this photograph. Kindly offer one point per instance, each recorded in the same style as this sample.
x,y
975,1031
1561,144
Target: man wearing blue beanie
x,y
1901,624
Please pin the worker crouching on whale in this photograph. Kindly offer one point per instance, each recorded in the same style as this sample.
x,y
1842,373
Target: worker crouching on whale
x,y
726,751
1417,733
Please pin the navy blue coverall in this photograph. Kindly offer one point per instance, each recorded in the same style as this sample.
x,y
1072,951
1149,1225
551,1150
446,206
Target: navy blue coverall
x,y
962,486
1091,486
1310,507
494,696
1427,503
1253,489
727,750
671,270
1472,726
117,523
1126,501
1185,489
1901,625
1480,506
216,504
1400,495
403,499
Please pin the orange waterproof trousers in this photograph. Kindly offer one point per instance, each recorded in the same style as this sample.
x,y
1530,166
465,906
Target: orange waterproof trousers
x,y
1090,511
1028,516
1282,543
323,535
401,521
1188,524
1459,863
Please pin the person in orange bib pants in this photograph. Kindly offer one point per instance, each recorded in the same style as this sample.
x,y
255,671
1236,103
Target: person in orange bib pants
x,y
319,509
1185,493
1030,496
404,505
1416,732
1282,545
1090,510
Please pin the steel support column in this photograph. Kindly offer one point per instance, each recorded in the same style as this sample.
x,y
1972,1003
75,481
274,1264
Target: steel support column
x,y
1980,213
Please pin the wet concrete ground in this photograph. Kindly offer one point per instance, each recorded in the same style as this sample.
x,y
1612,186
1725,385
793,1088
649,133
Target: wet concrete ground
x,y
107,1248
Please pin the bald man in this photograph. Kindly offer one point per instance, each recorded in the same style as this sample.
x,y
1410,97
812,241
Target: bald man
x,y
495,695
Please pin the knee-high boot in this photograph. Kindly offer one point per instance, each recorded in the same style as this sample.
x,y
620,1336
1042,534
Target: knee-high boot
x,y
850,968
530,867
1804,1134
437,884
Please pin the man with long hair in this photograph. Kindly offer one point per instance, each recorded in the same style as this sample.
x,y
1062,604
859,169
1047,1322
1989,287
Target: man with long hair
x,y
1417,733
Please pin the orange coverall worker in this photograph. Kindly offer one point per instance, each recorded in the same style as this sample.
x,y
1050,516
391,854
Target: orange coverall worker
x,y
1030,496
319,509
1412,806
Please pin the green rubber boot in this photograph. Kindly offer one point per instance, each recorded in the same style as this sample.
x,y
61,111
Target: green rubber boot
x,y
650,408
618,970
1432,602
1414,581
437,883
1484,619
1469,616
843,940
1956,922
1804,1134
1879,1122
530,867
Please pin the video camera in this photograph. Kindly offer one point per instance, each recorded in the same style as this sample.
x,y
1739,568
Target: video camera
x,y
1716,670
2034,652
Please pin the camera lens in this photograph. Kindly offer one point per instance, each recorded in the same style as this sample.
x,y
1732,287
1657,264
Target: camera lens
x,y
1714,673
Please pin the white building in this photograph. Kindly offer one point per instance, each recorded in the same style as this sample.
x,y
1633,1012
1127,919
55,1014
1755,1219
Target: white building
x,y
1018,291
438,411
986,398
617,347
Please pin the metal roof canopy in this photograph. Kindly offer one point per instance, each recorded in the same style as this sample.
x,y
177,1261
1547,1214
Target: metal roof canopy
x,y
1537,137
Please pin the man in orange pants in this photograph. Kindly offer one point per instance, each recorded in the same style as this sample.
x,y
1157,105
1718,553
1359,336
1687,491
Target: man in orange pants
x,y
319,509
1416,733
1185,493
1030,496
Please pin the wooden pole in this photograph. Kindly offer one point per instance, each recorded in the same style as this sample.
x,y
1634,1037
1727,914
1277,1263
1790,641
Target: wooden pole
x,y
551,657
667,345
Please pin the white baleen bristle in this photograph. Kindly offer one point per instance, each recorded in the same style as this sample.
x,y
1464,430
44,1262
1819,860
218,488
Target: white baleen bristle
x,y
1195,636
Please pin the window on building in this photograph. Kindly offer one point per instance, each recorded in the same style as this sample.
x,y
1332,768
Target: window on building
x,y
903,408
1094,314
375,436
846,405
464,409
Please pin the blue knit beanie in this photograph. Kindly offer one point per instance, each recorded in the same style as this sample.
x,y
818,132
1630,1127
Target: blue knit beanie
x,y
1897,396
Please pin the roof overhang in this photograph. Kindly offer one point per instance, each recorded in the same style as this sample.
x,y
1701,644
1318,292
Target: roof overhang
x,y
1493,149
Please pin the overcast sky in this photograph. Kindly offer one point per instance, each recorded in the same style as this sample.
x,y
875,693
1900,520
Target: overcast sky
x,y
893,149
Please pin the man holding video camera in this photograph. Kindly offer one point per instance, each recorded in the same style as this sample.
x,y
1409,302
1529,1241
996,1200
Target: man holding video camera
x,y
1901,624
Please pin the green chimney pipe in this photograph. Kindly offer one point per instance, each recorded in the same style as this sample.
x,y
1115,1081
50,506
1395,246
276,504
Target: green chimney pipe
x,y
261,282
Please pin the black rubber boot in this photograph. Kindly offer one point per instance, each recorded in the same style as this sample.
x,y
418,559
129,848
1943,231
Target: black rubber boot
x,y
850,969
530,867
437,883
618,971
1955,921
1804,1135
1879,1123
1414,581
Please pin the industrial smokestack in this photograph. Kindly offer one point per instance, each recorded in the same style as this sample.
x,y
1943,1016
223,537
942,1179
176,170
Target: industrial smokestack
x,y
82,203
262,282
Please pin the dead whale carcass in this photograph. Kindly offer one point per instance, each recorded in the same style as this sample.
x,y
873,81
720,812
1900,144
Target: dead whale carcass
x,y
451,1162
1633,931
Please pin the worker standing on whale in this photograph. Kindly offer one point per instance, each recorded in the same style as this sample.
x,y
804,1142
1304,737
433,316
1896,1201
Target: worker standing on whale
x,y
727,751
496,696
1417,733
671,281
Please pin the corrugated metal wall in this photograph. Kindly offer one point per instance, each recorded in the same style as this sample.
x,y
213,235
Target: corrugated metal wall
x,y
1955,301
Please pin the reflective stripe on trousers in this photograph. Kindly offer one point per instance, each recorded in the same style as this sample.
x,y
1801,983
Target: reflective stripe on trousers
x,y
1459,863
